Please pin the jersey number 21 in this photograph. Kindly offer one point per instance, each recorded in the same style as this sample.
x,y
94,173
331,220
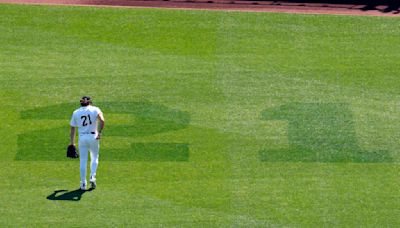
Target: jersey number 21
x,y
85,120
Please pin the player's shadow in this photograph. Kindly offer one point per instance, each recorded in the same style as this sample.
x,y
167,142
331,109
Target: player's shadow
x,y
74,195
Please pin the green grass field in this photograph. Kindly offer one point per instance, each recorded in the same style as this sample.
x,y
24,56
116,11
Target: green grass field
x,y
213,119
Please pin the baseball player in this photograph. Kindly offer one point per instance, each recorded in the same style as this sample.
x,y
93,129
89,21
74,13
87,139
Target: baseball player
x,y
90,122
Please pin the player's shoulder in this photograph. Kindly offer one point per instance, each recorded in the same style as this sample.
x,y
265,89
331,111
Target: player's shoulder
x,y
94,108
77,110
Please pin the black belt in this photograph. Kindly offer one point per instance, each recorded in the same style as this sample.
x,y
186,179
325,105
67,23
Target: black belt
x,y
86,133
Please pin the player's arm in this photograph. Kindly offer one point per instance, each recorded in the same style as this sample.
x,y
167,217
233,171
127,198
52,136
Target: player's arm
x,y
72,135
101,124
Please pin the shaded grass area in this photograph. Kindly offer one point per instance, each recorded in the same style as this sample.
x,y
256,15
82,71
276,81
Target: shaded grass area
x,y
316,133
50,145
150,119
319,133
150,152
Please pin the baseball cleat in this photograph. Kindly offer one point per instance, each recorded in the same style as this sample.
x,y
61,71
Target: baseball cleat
x,y
93,184
83,186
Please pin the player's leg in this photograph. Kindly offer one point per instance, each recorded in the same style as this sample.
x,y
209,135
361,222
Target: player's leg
x,y
94,161
83,156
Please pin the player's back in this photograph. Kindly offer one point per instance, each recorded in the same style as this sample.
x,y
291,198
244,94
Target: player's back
x,y
85,118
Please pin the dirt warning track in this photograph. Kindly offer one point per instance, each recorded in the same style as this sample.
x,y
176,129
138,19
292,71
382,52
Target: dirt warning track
x,y
312,7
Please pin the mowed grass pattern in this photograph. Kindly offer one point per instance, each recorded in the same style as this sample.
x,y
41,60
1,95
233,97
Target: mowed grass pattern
x,y
213,119
150,119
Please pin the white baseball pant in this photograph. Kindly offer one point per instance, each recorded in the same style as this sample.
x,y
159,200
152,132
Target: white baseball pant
x,y
88,142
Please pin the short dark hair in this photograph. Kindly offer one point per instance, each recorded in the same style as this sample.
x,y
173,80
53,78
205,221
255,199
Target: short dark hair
x,y
85,101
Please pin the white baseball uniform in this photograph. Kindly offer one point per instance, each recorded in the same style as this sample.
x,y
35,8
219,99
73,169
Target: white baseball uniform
x,y
85,119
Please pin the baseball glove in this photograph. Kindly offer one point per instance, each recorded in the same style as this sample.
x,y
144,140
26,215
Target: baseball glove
x,y
72,152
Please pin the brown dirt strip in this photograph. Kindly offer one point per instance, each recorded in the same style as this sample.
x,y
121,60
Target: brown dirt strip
x,y
231,5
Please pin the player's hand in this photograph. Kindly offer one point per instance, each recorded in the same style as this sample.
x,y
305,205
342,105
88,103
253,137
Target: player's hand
x,y
98,136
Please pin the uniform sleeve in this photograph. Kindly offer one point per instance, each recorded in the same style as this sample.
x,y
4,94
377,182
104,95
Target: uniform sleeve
x,y
99,112
73,122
